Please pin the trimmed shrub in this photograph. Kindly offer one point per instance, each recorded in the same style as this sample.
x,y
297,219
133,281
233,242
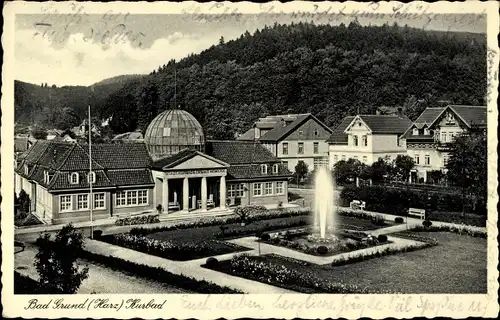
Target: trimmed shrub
x,y
378,220
265,237
211,262
143,219
322,250
427,223
399,220
382,238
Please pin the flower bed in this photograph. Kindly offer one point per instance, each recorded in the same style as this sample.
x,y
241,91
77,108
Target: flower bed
x,y
143,219
174,250
157,274
258,268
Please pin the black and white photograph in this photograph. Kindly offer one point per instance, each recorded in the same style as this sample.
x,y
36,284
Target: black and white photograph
x,y
179,159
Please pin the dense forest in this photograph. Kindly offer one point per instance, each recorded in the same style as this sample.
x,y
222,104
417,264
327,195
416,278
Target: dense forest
x,y
331,71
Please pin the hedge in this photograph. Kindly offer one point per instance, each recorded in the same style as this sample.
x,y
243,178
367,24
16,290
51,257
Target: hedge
x,y
143,219
397,201
157,274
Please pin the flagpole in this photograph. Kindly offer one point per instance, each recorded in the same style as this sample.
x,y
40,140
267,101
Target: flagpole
x,y
91,202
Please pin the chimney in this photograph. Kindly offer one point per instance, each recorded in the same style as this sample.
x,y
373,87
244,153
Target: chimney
x,y
283,122
257,133
400,112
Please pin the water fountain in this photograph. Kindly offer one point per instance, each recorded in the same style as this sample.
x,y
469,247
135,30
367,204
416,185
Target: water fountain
x,y
324,202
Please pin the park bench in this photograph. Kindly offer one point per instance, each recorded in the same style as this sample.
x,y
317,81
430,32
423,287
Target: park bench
x,y
357,205
419,213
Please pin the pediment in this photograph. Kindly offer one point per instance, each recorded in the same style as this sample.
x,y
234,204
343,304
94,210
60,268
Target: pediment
x,y
199,161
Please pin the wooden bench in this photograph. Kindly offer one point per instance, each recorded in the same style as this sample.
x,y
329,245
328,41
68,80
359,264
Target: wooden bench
x,y
357,205
419,213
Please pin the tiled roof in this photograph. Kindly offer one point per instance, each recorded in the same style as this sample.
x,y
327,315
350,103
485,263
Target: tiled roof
x,y
338,136
249,135
253,171
113,164
183,155
472,115
386,123
239,152
429,115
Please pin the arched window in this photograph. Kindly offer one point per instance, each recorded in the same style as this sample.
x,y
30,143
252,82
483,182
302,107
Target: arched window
x,y
74,178
263,168
91,177
275,168
415,131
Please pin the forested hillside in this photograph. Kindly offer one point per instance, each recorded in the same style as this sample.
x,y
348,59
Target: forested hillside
x,y
331,71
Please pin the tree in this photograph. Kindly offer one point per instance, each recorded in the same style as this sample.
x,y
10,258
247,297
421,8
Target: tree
x,y
403,166
467,167
56,261
147,105
381,169
39,134
301,170
24,201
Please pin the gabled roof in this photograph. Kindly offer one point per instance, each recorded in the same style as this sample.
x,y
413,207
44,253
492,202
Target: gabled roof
x,y
279,131
338,136
178,158
239,152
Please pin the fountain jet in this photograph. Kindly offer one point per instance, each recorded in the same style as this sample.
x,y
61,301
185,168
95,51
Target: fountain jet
x,y
324,201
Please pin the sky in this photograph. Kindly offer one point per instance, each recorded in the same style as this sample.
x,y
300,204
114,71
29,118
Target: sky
x,y
84,49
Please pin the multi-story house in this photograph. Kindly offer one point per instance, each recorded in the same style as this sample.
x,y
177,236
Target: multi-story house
x,y
293,138
429,139
368,138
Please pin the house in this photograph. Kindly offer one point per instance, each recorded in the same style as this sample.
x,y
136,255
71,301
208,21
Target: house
x,y
53,133
128,137
292,138
81,130
429,139
368,138
173,168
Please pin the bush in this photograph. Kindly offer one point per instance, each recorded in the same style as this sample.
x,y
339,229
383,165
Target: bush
x,y
382,238
143,219
212,262
265,237
427,223
378,220
322,250
399,220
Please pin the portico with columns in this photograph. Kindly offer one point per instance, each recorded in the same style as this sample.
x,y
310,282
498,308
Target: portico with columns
x,y
190,181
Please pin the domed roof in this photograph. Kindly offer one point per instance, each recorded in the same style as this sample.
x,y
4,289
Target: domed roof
x,y
172,131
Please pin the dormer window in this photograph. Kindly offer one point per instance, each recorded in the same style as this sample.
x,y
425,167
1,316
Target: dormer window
x,y
275,168
91,177
415,131
26,169
263,168
427,132
74,178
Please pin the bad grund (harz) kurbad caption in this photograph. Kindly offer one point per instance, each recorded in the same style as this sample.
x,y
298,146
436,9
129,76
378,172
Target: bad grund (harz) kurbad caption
x,y
103,304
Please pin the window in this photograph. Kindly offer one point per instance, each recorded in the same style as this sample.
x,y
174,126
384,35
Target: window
x,y
236,190
275,168
343,157
300,148
280,187
142,197
285,148
301,132
427,159
355,140
365,141
398,142
74,178
131,198
335,158
427,132
365,159
320,162
64,203
416,159
257,189
121,198
285,163
99,202
263,168
26,170
355,157
316,147
415,131
91,177
268,188
316,133
82,202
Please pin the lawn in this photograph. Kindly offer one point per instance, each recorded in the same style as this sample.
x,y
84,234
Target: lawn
x,y
457,265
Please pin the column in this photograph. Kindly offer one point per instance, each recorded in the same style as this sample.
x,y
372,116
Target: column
x,y
204,193
223,192
164,197
185,195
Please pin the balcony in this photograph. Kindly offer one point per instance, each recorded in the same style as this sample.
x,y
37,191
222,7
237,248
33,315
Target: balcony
x,y
444,146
